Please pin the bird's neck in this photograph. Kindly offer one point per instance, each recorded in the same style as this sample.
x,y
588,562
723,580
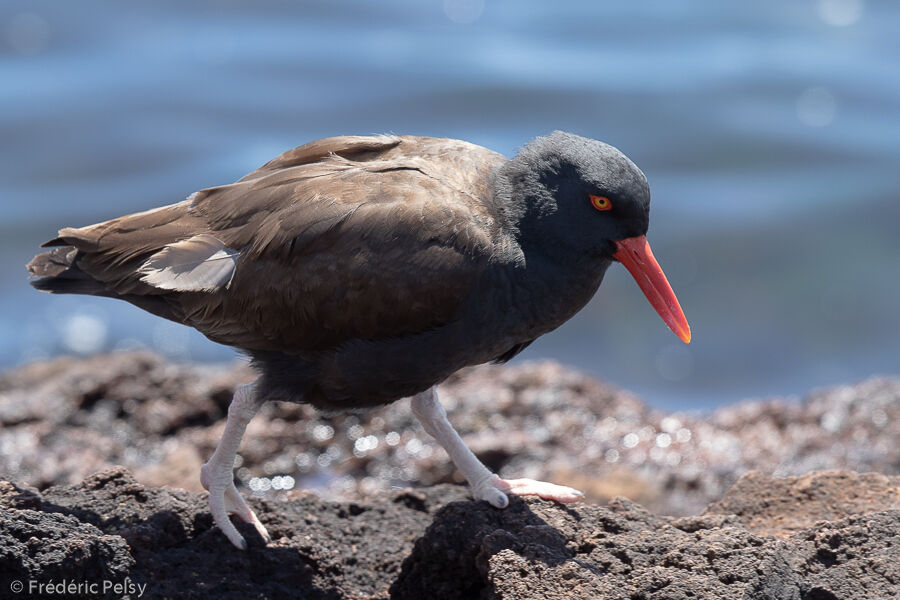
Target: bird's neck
x,y
525,208
546,281
520,201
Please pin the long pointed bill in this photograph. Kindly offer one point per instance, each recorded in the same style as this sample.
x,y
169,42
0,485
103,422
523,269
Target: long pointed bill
x,y
635,254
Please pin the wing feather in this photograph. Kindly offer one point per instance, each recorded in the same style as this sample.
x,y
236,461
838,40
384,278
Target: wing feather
x,y
201,263
340,239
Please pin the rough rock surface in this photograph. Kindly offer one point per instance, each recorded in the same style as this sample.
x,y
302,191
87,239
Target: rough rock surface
x,y
64,419
435,543
782,507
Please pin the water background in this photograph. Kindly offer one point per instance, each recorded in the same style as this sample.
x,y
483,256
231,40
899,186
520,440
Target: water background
x,y
769,132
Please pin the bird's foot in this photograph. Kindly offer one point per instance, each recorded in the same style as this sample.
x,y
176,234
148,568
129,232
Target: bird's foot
x,y
494,491
223,499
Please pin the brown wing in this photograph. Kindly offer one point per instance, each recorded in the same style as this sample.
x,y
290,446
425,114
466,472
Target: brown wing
x,y
339,239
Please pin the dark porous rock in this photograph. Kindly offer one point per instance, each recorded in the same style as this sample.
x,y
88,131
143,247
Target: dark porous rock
x,y
64,419
435,543
537,549
41,546
70,417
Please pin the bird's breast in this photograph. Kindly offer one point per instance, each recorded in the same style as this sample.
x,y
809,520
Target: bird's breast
x,y
523,302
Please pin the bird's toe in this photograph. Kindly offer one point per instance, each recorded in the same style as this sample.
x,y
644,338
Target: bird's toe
x,y
491,491
235,503
220,518
232,534
494,497
224,498
260,528
543,489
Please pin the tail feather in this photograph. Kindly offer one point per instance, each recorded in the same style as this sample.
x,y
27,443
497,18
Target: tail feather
x,y
105,259
55,242
52,263
57,273
55,285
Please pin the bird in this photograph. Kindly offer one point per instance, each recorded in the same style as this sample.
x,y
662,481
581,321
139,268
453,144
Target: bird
x,y
355,271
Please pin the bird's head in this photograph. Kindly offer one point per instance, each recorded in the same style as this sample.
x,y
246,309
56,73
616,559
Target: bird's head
x,y
586,201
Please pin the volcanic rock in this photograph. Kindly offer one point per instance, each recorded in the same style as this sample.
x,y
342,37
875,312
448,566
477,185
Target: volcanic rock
x,y
64,419
436,543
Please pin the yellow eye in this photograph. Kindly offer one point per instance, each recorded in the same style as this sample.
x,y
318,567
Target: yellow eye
x,y
600,202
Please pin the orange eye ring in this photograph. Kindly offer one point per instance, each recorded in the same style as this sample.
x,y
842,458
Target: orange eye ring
x,y
600,202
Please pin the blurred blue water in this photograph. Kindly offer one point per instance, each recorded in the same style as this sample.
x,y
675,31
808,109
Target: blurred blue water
x,y
769,131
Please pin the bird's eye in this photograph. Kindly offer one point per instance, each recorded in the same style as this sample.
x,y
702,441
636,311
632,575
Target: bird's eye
x,y
600,202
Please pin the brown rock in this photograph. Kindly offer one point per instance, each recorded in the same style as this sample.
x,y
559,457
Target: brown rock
x,y
435,543
783,506
64,419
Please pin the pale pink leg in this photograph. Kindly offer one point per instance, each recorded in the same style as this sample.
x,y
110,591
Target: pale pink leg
x,y
217,477
485,485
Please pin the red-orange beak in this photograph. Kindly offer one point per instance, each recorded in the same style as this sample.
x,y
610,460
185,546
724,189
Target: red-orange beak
x,y
635,254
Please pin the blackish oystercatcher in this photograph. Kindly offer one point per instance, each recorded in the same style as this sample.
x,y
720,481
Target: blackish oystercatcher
x,y
355,271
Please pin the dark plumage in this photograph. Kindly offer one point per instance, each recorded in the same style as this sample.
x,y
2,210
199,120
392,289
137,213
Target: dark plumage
x,y
359,270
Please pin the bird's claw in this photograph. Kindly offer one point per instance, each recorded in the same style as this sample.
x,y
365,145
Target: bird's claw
x,y
235,503
494,490
490,490
223,499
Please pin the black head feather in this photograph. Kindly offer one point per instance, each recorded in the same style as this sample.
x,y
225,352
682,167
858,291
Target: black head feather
x,y
547,189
